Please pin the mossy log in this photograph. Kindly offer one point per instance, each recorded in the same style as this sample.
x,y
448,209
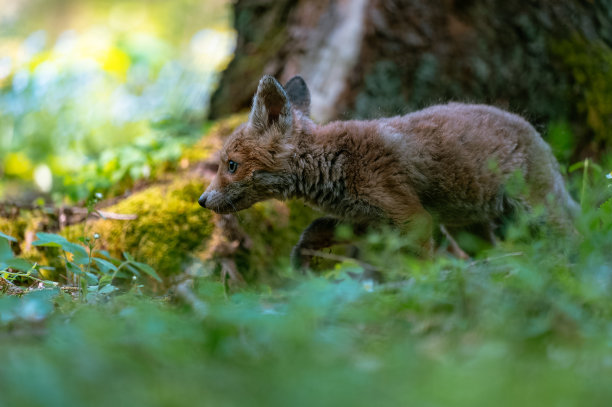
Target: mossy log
x,y
172,233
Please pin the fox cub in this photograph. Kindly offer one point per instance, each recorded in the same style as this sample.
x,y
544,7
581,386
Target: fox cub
x,y
447,164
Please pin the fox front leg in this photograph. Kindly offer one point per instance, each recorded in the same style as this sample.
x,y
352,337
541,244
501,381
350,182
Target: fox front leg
x,y
319,234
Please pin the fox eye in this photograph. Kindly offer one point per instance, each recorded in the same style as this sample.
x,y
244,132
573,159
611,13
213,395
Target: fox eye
x,y
232,166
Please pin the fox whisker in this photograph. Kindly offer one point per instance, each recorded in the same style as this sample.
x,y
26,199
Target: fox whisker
x,y
235,210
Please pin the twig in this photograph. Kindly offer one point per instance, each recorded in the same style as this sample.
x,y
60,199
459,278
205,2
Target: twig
x,y
370,267
116,216
24,275
489,259
184,292
69,288
453,246
337,257
63,211
9,288
229,269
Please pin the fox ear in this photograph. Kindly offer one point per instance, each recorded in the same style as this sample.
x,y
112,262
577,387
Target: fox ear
x,y
270,106
299,95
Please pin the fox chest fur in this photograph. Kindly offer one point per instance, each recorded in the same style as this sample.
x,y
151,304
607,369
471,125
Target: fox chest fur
x,y
449,163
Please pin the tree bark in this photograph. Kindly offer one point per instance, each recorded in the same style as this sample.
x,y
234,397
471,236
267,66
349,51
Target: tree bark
x,y
375,58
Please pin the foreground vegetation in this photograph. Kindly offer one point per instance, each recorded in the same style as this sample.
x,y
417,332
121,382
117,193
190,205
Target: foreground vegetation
x,y
525,323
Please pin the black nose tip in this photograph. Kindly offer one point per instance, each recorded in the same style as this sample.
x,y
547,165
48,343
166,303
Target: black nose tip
x,y
202,200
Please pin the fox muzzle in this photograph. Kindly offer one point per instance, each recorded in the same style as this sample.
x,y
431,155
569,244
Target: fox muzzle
x,y
202,200
215,201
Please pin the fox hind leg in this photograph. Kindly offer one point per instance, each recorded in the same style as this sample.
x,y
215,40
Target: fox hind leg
x,y
319,234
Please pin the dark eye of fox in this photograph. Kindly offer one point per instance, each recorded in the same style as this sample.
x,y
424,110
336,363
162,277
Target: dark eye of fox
x,y
232,166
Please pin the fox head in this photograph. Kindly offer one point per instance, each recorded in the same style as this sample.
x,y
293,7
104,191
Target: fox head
x,y
255,160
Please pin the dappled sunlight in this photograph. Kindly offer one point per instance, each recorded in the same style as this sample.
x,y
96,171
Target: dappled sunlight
x,y
113,76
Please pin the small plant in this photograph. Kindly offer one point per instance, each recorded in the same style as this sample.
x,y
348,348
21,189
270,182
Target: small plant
x,y
13,268
606,207
93,271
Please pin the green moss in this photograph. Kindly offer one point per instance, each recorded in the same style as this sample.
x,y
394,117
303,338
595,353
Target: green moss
x,y
170,225
274,227
590,64
212,141
23,228
14,227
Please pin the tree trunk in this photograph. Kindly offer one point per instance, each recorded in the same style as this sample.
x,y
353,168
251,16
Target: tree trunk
x,y
547,60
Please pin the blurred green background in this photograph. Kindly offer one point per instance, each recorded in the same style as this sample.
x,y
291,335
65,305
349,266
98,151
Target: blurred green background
x,y
96,93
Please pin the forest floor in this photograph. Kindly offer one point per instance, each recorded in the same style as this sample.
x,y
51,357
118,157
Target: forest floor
x,y
526,323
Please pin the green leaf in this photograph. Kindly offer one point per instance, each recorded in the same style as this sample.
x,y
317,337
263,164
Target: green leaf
x,y
73,268
79,259
75,249
19,264
107,289
105,266
145,268
7,237
128,256
91,278
606,207
54,240
49,240
5,250
105,279
575,166
105,253
132,269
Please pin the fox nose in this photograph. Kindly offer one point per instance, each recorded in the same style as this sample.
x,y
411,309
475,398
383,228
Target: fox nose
x,y
202,200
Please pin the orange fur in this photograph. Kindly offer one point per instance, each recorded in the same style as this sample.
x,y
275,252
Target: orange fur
x,y
447,164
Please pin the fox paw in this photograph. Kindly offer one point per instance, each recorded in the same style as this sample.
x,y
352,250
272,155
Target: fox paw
x,y
299,260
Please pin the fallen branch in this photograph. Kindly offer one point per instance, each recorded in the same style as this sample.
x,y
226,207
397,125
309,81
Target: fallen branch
x,y
337,257
8,288
184,291
66,215
115,216
490,259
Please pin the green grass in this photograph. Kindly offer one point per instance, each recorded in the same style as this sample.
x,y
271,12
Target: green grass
x,y
319,343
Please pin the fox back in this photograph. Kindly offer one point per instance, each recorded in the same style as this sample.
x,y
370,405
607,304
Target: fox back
x,y
450,164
